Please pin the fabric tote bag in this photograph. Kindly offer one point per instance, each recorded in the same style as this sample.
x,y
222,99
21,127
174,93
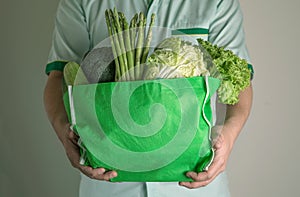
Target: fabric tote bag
x,y
151,130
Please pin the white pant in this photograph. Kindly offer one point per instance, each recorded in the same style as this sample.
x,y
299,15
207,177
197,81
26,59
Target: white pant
x,y
94,188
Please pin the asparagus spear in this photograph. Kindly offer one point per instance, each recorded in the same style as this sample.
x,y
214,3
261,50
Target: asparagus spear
x,y
128,46
133,26
139,45
121,41
117,64
117,45
148,40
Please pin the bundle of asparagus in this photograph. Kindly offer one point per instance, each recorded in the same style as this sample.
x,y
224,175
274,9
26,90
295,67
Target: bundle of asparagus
x,y
130,43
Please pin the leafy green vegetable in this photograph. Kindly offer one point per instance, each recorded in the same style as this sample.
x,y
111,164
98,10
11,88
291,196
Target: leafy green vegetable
x,y
174,58
73,74
234,72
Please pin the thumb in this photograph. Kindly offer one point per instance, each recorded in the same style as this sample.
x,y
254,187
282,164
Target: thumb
x,y
219,141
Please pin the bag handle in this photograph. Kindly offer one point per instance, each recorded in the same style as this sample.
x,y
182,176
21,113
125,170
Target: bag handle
x,y
73,124
206,119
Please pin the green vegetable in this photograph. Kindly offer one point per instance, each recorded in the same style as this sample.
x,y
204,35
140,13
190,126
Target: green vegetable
x,y
139,45
115,54
148,40
130,43
132,27
119,32
115,45
174,58
73,74
129,55
98,65
234,72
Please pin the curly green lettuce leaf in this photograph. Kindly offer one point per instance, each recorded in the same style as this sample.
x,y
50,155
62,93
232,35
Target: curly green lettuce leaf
x,y
233,72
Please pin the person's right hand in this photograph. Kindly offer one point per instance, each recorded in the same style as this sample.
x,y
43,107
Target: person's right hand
x,y
72,151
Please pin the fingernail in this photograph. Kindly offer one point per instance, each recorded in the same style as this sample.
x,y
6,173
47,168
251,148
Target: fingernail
x,y
113,174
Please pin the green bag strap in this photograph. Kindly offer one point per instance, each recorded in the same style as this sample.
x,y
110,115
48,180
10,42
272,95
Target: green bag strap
x,y
72,109
206,119
73,125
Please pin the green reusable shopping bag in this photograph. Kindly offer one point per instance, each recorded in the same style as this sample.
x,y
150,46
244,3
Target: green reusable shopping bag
x,y
154,130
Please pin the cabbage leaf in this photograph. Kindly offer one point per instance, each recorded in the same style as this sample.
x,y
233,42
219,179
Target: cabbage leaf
x,y
175,58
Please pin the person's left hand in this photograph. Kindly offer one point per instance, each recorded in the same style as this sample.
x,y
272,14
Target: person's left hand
x,y
222,148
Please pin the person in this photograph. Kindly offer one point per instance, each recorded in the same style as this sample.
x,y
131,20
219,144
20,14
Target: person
x,y
80,25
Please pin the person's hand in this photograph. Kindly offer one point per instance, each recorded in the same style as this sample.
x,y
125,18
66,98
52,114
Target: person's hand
x,y
72,151
222,148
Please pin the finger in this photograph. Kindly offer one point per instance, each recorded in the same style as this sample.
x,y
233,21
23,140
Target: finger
x,y
201,180
218,143
206,182
73,137
216,132
98,173
215,168
109,175
92,173
192,185
72,151
193,175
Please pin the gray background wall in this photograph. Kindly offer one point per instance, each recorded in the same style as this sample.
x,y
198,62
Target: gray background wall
x,y
265,161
